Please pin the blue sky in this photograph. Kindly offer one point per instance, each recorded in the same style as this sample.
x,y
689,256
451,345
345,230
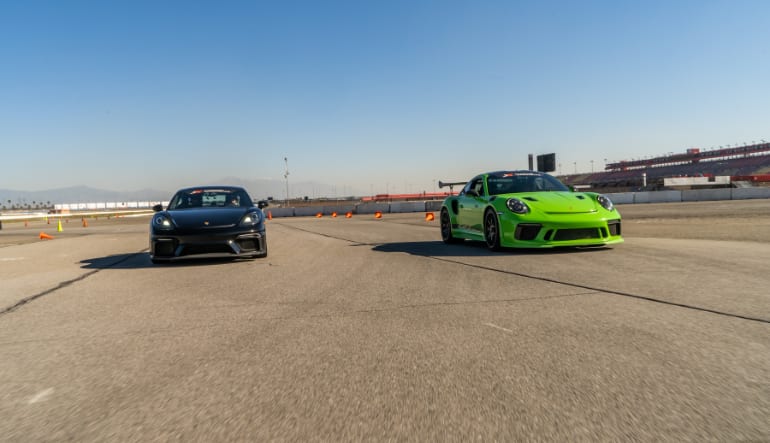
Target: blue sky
x,y
367,95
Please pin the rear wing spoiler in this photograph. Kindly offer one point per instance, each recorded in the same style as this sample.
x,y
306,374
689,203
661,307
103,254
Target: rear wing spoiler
x,y
450,184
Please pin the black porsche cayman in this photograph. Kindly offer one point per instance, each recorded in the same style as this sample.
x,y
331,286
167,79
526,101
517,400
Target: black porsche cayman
x,y
209,221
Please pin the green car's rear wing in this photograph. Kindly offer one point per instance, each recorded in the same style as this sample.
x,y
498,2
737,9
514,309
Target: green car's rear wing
x,y
451,185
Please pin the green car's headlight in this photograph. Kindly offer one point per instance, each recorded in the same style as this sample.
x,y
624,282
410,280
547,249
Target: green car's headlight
x,y
605,202
162,222
517,206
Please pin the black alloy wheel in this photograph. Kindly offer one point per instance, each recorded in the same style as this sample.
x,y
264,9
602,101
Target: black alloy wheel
x,y
491,230
446,227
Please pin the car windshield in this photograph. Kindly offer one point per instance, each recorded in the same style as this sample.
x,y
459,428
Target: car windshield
x,y
210,198
510,183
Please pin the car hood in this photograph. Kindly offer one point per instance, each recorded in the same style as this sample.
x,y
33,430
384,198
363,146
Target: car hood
x,y
207,218
557,202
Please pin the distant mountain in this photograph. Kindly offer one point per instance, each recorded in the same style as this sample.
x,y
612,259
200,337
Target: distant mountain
x,y
259,189
76,194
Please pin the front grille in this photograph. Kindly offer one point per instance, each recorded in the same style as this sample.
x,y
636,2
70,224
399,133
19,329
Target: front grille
x,y
207,249
576,234
526,231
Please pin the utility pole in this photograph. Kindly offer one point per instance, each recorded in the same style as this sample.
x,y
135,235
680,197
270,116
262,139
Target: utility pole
x,y
286,176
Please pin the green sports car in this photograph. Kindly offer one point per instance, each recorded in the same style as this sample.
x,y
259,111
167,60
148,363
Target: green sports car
x,y
528,209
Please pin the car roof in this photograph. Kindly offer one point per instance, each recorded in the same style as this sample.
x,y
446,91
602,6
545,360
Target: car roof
x,y
516,172
212,188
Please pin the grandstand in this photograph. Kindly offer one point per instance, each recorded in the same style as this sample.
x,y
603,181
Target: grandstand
x,y
746,166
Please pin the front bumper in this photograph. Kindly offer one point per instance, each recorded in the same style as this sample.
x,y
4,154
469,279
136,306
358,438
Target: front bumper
x,y
235,245
565,233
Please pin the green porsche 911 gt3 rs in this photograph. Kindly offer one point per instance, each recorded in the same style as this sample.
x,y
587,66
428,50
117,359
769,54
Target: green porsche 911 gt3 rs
x,y
528,209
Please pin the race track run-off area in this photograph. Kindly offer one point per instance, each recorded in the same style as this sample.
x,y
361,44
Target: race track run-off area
x,y
373,329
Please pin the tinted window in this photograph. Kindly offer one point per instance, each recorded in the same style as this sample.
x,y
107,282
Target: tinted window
x,y
210,198
476,185
510,183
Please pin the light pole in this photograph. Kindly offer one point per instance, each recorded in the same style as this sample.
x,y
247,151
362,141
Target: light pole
x,y
286,176
592,166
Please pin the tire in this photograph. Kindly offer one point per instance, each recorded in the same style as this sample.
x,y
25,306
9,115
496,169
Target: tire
x,y
491,230
446,228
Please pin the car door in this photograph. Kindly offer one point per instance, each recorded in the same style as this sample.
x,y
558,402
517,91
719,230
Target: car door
x,y
471,203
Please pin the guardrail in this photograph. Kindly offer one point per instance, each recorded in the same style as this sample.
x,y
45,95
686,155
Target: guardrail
x,y
617,198
690,195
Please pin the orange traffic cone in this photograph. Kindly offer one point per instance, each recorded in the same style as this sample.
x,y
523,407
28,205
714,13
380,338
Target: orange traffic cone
x,y
334,215
429,217
348,214
378,214
269,215
85,222
319,215
44,236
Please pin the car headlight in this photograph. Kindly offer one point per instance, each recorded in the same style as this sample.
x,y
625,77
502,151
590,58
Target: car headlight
x,y
605,202
250,219
517,206
162,222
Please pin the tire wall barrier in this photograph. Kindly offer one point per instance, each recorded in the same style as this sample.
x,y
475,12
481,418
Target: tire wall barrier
x,y
748,193
401,207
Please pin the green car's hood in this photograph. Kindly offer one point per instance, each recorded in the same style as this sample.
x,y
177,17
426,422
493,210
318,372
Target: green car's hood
x,y
557,202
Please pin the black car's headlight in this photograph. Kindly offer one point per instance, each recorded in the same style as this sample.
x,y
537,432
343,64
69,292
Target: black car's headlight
x,y
162,222
605,202
250,219
517,206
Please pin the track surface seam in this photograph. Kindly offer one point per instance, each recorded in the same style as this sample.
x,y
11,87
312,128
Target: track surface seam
x,y
551,280
64,284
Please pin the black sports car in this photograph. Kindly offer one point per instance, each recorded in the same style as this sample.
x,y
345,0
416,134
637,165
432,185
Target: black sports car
x,y
209,221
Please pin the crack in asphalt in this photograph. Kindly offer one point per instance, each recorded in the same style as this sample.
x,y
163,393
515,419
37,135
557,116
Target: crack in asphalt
x,y
555,281
64,284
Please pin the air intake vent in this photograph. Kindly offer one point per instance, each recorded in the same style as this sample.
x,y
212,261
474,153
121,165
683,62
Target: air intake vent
x,y
526,231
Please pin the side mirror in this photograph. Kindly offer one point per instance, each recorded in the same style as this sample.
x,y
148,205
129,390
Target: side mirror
x,y
262,204
157,208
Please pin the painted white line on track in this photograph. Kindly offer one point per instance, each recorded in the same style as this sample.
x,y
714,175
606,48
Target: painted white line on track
x,y
11,258
498,327
40,396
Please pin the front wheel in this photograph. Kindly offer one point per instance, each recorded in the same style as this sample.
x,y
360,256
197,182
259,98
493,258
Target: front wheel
x,y
491,231
446,228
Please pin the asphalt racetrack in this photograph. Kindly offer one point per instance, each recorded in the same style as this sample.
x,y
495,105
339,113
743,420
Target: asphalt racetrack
x,y
372,330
